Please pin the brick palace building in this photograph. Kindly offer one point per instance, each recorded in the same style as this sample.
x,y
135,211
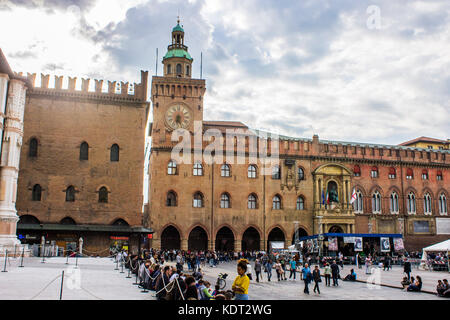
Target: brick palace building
x,y
196,205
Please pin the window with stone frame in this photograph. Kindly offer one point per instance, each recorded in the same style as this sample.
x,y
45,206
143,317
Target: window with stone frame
x,y
36,193
427,204
171,199
198,200
276,172
252,201
103,195
411,203
172,167
70,194
114,156
225,201
300,174
276,202
225,170
442,204
198,169
394,203
84,151
252,171
300,203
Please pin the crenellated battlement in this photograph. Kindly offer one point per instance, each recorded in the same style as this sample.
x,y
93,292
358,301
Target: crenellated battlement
x,y
89,88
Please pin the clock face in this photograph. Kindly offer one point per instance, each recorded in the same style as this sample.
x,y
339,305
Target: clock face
x,y
178,116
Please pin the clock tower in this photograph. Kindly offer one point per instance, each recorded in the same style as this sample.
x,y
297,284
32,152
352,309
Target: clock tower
x,y
177,98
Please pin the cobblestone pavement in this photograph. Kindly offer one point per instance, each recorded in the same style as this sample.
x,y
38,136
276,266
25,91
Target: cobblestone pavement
x,y
99,280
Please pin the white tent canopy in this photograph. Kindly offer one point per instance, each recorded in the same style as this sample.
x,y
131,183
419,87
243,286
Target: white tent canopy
x,y
443,246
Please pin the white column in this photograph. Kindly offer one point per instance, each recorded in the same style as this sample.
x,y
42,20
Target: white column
x,y
4,79
9,165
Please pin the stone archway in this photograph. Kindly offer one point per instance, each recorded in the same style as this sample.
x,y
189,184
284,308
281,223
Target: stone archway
x,y
336,229
170,238
276,234
225,239
251,240
198,239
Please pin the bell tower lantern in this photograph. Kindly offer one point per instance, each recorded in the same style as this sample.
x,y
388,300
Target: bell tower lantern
x,y
177,61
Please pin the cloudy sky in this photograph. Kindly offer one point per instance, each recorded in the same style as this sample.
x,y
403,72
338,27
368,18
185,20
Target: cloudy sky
x,y
367,71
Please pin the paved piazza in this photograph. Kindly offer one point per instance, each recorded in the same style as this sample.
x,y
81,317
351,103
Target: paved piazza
x,y
99,280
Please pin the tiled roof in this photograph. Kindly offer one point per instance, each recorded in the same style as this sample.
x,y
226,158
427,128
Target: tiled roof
x,y
423,139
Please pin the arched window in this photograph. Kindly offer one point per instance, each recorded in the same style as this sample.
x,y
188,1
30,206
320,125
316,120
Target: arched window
x,y
392,173
171,199
252,202
424,174
179,68
70,194
114,152
376,202
276,172
300,203
358,203
169,69
225,200
442,204
300,174
357,171
172,167
251,171
84,151
225,170
374,172
276,202
409,174
103,195
198,200
37,193
427,204
411,203
187,70
198,169
393,204
33,151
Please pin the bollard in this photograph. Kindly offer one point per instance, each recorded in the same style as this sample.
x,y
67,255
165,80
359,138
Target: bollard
x,y
62,286
121,267
15,247
21,259
6,258
136,282
76,262
117,264
67,260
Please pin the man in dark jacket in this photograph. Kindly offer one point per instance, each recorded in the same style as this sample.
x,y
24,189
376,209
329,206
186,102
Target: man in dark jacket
x,y
335,273
407,268
162,281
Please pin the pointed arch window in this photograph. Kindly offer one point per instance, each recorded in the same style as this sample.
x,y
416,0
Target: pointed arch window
x,y
427,204
114,156
442,204
70,194
103,195
276,172
172,167
198,200
225,170
84,151
411,203
171,199
33,151
300,203
300,174
394,203
358,203
276,202
252,201
225,201
37,193
251,171
376,202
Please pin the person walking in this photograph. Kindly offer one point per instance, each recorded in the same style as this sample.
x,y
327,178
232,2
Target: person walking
x,y
335,273
327,274
268,269
367,264
293,265
316,277
258,270
407,268
306,272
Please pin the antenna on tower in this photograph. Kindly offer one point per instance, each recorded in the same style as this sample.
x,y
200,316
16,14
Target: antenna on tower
x,y
201,64
156,62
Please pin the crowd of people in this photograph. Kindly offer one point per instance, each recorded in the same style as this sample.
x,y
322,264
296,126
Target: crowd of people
x,y
176,282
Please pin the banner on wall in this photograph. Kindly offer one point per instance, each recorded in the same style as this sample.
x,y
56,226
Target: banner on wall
x,y
385,245
309,245
349,239
398,244
358,244
315,245
332,244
